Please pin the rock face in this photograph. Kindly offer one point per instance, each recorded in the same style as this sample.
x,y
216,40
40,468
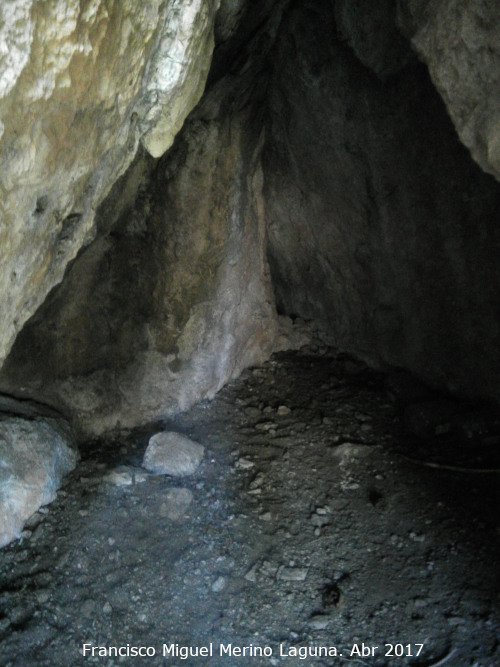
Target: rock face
x,y
81,82
459,40
319,176
380,226
34,456
371,31
168,303
173,298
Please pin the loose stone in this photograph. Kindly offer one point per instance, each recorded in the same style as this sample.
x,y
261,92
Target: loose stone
x,y
219,584
174,454
292,573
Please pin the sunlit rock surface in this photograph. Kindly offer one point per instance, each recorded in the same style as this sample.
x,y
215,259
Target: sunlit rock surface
x,y
173,298
81,82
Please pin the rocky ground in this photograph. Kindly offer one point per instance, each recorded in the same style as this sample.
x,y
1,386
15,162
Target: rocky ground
x,y
316,528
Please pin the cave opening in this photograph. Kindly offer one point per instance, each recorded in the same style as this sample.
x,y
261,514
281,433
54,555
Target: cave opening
x,y
259,340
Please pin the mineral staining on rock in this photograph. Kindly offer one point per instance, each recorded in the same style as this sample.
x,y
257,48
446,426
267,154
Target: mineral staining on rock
x,y
80,83
174,297
173,454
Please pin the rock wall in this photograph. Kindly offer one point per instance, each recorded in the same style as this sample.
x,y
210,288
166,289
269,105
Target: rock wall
x,y
173,298
35,454
380,227
459,40
81,82
319,144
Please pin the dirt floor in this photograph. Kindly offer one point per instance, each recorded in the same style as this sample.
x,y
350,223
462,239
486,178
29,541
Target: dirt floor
x,y
317,531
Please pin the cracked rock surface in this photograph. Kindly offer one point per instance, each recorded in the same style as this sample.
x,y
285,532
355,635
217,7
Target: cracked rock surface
x,y
314,520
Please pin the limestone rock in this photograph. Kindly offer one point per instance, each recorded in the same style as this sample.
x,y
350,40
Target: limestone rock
x,y
460,42
381,229
174,454
173,298
175,75
80,84
34,456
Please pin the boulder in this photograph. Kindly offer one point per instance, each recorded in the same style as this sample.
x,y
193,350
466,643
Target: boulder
x,y
34,457
170,453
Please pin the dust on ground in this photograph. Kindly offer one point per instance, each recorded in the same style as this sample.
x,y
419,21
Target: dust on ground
x,y
314,530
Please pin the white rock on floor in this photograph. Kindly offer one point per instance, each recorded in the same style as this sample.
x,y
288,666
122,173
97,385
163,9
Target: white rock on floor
x,y
125,476
170,453
34,456
219,584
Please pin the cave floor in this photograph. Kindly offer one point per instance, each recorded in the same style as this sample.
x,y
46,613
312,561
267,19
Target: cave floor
x,y
305,531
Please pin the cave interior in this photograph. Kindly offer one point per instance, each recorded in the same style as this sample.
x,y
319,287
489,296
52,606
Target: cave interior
x,y
306,284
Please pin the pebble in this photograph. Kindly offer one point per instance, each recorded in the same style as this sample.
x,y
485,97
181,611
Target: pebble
x,y
349,485
319,520
251,575
319,622
268,569
126,476
266,426
244,464
88,608
219,584
42,596
257,481
283,410
34,520
292,573
252,413
416,537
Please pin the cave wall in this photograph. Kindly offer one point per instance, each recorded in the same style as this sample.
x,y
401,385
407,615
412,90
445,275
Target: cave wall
x,y
459,40
171,301
319,176
381,228
81,83
173,297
